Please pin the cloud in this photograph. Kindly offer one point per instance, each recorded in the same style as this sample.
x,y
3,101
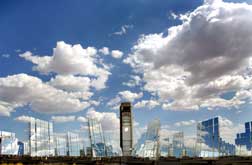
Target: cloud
x,y
6,108
21,89
130,96
104,50
66,119
172,15
185,123
114,103
228,129
75,74
71,60
122,96
135,81
76,84
23,118
116,53
123,30
82,119
179,105
199,60
94,102
147,104
71,83
5,55
63,119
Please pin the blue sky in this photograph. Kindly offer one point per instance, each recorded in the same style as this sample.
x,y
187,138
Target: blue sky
x,y
128,27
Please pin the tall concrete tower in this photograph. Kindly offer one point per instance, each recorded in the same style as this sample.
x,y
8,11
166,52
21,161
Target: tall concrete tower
x,y
126,129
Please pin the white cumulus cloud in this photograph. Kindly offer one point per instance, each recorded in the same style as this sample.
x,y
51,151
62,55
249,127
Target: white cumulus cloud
x,y
71,60
206,56
63,119
104,50
147,104
21,89
82,119
229,129
116,53
23,118
134,81
185,123
130,96
76,84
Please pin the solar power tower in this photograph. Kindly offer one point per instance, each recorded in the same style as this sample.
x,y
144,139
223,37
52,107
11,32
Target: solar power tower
x,y
126,129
